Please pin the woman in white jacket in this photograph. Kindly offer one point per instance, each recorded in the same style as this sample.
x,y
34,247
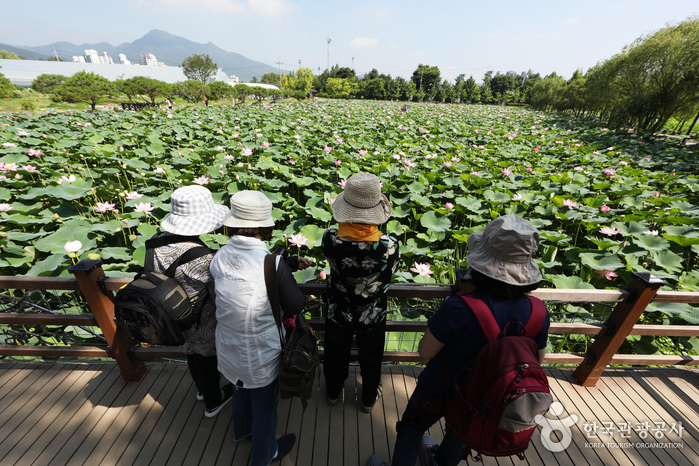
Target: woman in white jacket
x,y
247,339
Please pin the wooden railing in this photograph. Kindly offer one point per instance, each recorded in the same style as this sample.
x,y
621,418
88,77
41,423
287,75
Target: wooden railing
x,y
630,303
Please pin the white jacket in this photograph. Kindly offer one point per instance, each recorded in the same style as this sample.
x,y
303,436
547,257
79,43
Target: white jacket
x,y
247,339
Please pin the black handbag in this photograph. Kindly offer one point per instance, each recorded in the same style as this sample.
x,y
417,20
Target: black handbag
x,y
299,358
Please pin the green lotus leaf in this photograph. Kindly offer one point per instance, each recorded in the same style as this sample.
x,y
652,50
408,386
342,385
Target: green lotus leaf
x,y
568,282
47,266
314,234
22,237
470,203
318,209
5,194
394,227
71,231
496,197
652,242
686,311
668,260
600,261
435,223
68,192
123,254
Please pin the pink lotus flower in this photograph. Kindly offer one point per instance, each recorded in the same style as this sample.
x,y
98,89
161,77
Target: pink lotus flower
x,y
507,172
159,171
228,157
516,197
476,173
610,172
266,144
422,270
337,163
529,169
144,207
29,168
448,206
35,152
298,240
656,194
342,183
5,207
133,195
103,207
246,151
608,274
327,149
72,246
363,152
323,275
609,231
578,169
605,208
447,164
202,180
570,204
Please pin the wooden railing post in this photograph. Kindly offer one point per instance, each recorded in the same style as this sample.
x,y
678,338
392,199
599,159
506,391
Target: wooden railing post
x,y
642,289
87,273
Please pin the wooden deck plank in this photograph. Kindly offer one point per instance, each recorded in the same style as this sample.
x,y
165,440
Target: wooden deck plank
x,y
32,440
85,414
114,419
640,402
63,429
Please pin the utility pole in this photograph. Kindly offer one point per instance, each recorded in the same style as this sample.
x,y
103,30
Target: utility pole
x,y
280,73
329,40
55,53
352,63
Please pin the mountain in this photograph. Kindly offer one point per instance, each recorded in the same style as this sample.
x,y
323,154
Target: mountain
x,y
26,54
168,48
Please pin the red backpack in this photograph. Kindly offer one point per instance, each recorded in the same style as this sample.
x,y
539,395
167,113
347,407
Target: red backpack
x,y
497,399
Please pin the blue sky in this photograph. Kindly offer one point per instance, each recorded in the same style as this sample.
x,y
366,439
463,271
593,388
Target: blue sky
x,y
394,36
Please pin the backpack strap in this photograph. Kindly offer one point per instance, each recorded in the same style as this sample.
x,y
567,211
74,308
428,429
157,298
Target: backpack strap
x,y
188,256
158,240
536,319
490,326
270,268
484,315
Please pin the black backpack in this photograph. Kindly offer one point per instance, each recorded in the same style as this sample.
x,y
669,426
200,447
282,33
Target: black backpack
x,y
154,308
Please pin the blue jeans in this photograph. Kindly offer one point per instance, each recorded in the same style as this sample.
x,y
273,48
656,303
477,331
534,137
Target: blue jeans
x,y
255,413
416,419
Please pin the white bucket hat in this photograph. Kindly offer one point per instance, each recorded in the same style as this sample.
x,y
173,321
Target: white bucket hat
x,y
504,251
249,209
362,201
194,212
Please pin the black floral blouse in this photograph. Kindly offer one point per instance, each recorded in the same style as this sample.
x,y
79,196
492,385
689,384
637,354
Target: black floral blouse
x,y
360,272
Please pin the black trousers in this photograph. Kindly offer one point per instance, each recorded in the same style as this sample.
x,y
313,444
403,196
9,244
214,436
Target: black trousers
x,y
338,344
204,371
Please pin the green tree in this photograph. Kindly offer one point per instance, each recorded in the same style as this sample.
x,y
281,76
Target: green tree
x,y
199,68
426,77
84,87
372,89
7,89
5,55
218,90
502,87
191,90
470,92
304,80
547,94
47,83
270,78
146,88
337,88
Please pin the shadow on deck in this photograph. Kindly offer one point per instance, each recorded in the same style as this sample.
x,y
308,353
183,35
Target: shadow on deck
x,y
84,413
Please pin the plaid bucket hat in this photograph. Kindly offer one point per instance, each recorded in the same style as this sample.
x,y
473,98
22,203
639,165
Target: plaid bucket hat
x,y
194,212
504,251
362,201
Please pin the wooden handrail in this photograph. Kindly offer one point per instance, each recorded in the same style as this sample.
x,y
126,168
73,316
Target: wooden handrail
x,y
630,303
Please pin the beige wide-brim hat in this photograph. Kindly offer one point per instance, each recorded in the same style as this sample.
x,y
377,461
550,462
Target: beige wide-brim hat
x,y
504,251
250,209
362,201
193,212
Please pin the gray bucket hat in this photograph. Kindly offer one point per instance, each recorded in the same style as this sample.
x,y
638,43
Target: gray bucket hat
x,y
193,212
362,201
250,209
504,251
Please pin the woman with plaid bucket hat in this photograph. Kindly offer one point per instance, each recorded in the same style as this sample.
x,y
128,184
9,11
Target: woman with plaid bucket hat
x,y
362,262
193,213
502,270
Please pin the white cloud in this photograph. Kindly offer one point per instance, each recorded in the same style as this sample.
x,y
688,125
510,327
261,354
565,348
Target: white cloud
x,y
258,7
364,42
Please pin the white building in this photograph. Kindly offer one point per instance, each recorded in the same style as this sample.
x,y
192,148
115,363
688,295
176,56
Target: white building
x,y
149,60
123,60
233,80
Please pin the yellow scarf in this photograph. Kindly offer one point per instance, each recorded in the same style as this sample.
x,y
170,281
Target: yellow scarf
x,y
359,232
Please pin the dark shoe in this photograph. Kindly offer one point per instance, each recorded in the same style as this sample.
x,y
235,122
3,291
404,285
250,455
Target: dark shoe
x,y
333,401
284,446
379,394
428,448
226,396
376,461
200,397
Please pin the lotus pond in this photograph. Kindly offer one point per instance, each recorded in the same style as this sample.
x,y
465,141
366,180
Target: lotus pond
x,y
607,203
